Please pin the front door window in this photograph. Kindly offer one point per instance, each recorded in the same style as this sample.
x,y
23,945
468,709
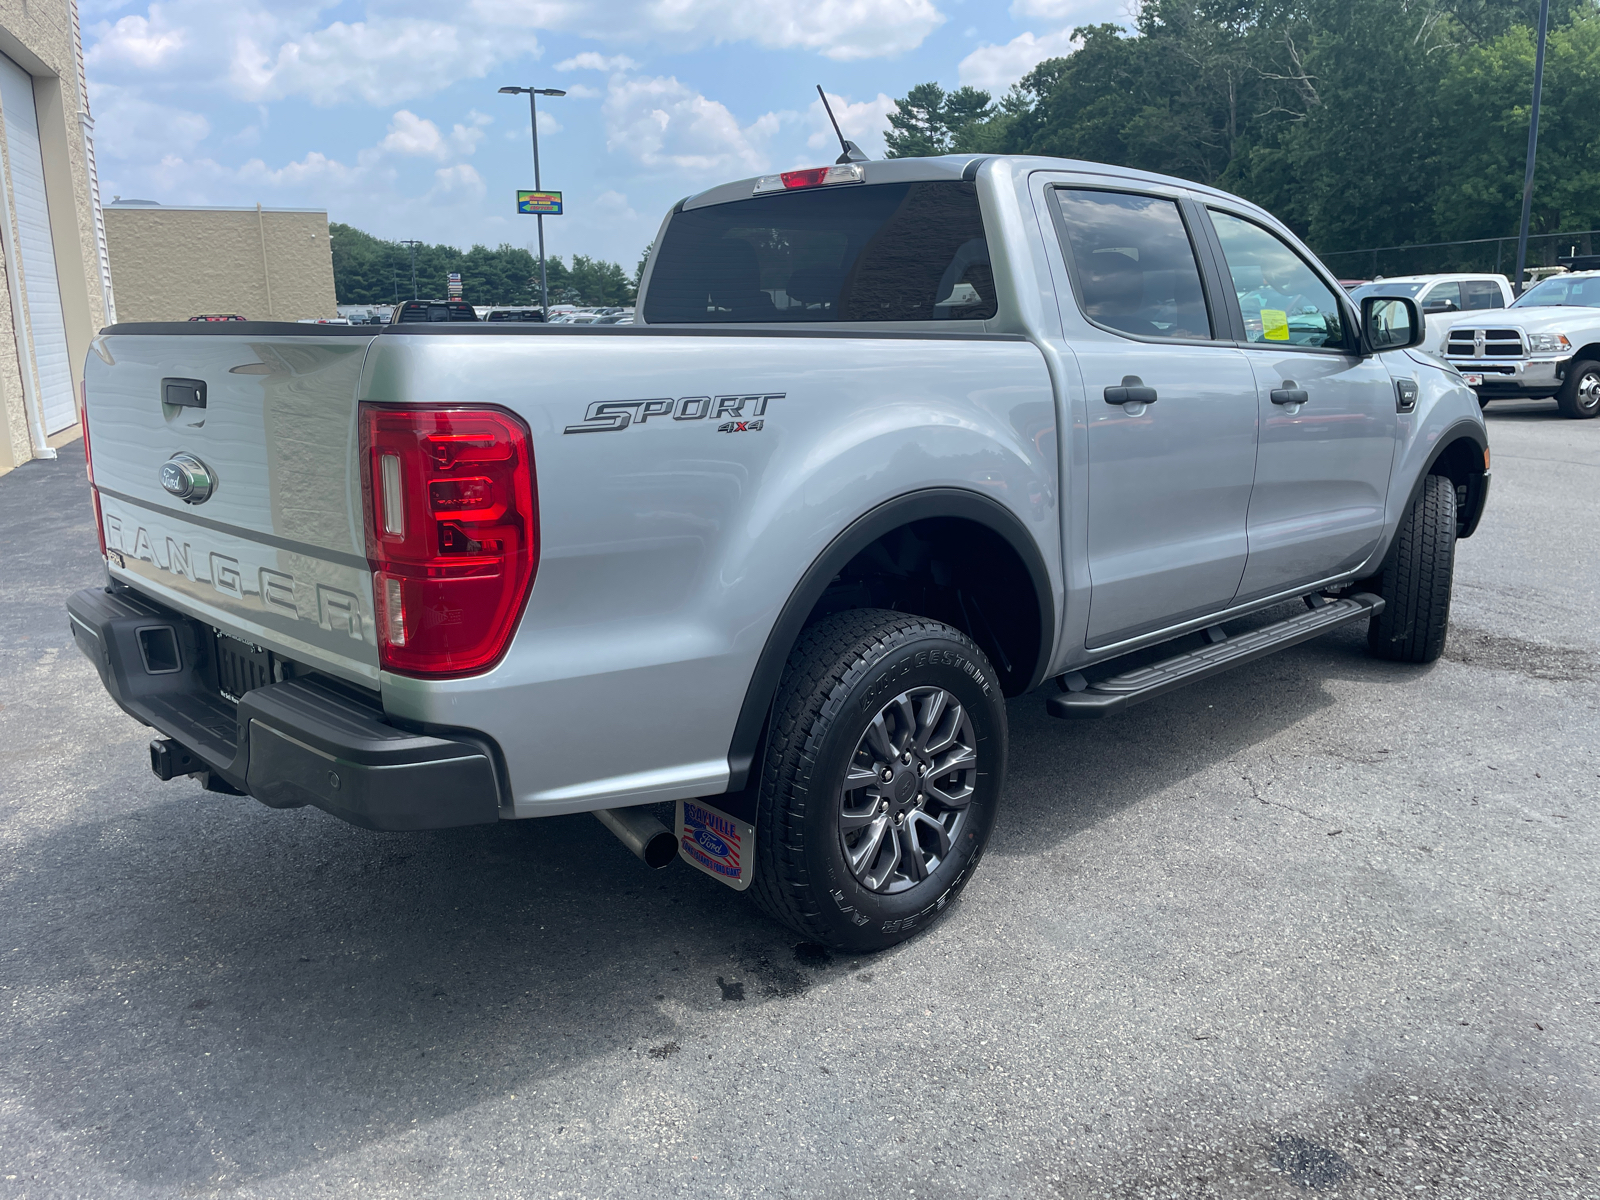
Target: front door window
x,y
1282,299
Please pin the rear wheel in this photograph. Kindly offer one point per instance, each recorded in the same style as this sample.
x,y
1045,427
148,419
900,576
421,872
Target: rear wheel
x,y
883,767
1416,578
1579,396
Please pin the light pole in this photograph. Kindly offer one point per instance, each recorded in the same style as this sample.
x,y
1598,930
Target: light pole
x,y
413,243
538,185
1533,142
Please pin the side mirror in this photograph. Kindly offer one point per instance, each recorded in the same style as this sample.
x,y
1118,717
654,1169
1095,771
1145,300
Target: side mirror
x,y
1437,306
1391,323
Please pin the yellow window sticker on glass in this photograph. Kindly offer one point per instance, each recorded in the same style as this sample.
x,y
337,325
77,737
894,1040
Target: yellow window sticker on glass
x,y
1274,325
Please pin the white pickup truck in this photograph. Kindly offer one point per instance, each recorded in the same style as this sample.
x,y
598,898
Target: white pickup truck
x,y
1547,343
889,443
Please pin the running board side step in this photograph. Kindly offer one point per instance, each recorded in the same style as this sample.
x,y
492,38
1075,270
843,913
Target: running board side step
x,y
1120,691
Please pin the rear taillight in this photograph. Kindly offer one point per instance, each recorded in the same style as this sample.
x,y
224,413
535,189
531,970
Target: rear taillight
x,y
88,463
452,534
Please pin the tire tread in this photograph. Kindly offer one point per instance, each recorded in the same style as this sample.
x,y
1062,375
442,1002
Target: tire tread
x,y
817,682
1416,579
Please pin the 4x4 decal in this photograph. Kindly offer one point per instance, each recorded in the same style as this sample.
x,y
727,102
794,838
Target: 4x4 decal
x,y
610,416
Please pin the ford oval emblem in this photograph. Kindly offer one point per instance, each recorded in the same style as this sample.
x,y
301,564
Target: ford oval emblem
x,y
187,478
711,843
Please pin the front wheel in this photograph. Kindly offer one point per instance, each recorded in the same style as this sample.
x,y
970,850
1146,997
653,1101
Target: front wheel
x,y
1416,579
884,763
1579,396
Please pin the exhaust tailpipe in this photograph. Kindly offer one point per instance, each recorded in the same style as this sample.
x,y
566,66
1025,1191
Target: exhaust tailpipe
x,y
641,833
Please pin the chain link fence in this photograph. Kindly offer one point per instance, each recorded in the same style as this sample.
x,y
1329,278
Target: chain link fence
x,y
1479,254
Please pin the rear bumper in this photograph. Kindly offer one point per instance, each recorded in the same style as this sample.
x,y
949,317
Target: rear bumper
x,y
290,743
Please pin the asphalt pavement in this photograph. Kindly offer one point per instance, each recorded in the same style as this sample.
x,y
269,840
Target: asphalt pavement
x,y
1325,927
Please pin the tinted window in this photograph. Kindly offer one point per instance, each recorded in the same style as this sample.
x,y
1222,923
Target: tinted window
x,y
1562,289
877,252
1442,293
1135,267
1482,293
413,311
1281,298
1382,288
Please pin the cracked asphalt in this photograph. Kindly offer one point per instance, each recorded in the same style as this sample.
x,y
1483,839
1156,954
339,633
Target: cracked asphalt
x,y
1325,927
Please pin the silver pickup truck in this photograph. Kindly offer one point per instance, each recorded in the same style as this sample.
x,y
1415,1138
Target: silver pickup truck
x,y
889,443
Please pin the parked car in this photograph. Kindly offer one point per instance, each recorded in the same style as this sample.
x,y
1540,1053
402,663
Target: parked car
x,y
1441,297
413,312
515,314
1443,293
1546,344
888,443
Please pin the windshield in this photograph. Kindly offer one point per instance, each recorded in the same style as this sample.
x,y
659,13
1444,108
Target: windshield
x,y
1579,291
1385,289
878,252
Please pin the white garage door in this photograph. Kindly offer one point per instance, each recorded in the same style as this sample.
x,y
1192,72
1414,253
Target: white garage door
x,y
41,291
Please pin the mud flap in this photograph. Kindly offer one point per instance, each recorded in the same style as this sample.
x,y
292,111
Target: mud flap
x,y
712,841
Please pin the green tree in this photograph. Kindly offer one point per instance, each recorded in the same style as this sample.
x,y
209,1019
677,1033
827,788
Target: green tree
x,y
929,120
369,270
1488,94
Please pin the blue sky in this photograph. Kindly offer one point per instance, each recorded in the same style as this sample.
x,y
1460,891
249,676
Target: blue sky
x,y
387,114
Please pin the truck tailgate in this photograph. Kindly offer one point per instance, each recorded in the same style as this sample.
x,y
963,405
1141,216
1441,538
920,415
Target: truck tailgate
x,y
276,554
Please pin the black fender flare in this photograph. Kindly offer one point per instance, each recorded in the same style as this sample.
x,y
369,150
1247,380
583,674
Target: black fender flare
x,y
856,537
1477,495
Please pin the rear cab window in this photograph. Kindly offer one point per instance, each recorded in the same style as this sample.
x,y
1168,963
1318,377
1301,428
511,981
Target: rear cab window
x,y
858,252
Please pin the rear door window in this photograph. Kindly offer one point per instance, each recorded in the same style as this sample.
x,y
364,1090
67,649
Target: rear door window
x,y
1283,301
1133,265
873,252
1441,294
1481,293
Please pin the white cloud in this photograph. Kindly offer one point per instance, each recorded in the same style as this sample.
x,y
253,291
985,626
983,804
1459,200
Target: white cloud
x,y
272,49
461,179
410,134
135,43
659,122
590,61
864,124
582,91
996,68
129,126
1063,12
380,61
839,29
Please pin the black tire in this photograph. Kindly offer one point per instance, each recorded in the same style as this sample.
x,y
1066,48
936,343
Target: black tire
x,y
1483,401
1415,580
1579,397
844,673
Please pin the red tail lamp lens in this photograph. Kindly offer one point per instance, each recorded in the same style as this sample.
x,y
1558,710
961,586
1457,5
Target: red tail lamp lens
x,y
452,534
811,177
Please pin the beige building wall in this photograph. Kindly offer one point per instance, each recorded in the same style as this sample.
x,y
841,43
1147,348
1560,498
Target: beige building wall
x,y
41,37
172,263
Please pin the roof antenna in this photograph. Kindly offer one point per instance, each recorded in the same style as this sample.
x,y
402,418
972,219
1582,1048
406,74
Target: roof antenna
x,y
852,152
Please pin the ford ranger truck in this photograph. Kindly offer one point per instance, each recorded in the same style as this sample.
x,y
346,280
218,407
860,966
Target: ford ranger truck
x,y
1547,343
889,443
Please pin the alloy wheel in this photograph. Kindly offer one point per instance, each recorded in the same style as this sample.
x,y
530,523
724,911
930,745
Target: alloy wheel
x,y
905,795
